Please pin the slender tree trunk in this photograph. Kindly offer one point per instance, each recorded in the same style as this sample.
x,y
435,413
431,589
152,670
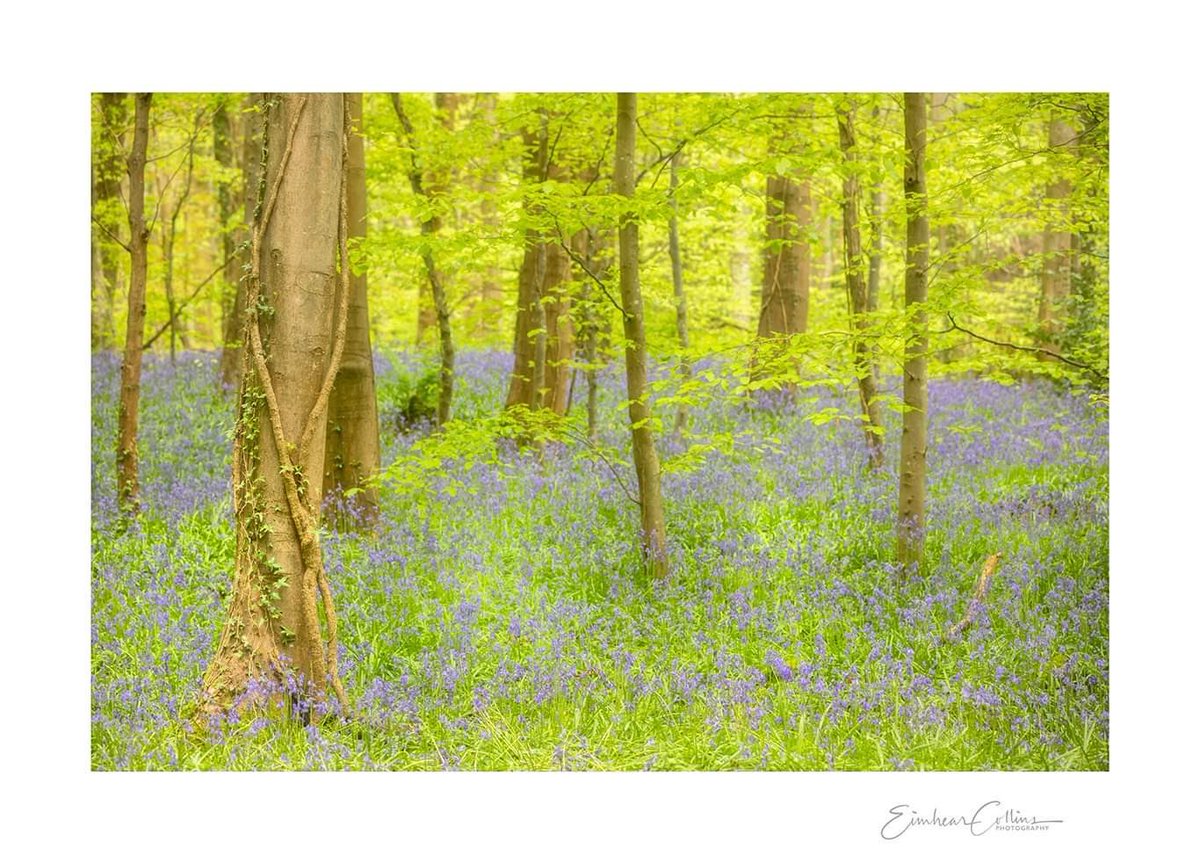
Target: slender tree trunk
x,y
1057,258
300,273
352,439
230,238
856,288
429,229
560,330
681,310
786,262
529,335
589,324
740,266
910,532
174,320
645,456
128,491
783,308
252,195
491,292
107,169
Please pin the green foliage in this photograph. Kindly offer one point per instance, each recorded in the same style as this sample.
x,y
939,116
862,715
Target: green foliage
x,y
406,401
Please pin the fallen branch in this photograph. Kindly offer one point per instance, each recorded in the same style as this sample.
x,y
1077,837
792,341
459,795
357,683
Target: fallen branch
x,y
976,603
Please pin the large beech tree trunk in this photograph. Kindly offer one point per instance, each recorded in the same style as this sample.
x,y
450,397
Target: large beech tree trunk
x,y
645,456
1057,258
910,530
352,440
296,323
856,287
131,365
429,229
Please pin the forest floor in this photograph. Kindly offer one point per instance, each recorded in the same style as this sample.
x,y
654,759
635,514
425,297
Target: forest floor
x,y
499,618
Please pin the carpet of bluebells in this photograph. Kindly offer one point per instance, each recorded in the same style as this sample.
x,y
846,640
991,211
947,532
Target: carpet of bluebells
x,y
500,619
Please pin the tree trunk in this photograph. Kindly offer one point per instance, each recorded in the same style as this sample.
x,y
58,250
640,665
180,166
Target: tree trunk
x,y
131,365
174,315
1057,257
229,239
252,173
429,229
352,439
491,292
783,308
856,288
910,531
560,330
681,310
107,168
529,334
786,262
296,323
645,456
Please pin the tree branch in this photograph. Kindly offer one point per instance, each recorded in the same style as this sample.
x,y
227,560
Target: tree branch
x,y
111,236
183,303
588,270
954,325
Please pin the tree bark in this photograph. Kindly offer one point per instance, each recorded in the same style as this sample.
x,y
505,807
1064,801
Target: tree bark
x,y
856,288
1057,258
352,439
296,324
131,366
910,530
681,309
645,456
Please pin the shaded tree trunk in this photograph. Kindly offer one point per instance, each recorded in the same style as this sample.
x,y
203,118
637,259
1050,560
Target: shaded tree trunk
x,y
429,229
856,288
297,305
1057,255
910,531
352,439
108,166
681,310
645,456
131,365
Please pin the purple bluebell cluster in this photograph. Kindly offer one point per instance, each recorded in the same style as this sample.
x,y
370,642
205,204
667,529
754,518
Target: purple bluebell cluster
x,y
500,617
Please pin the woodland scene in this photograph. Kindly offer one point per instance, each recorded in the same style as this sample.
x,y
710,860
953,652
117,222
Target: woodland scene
x,y
591,431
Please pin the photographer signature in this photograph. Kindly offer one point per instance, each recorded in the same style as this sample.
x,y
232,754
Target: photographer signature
x,y
987,817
